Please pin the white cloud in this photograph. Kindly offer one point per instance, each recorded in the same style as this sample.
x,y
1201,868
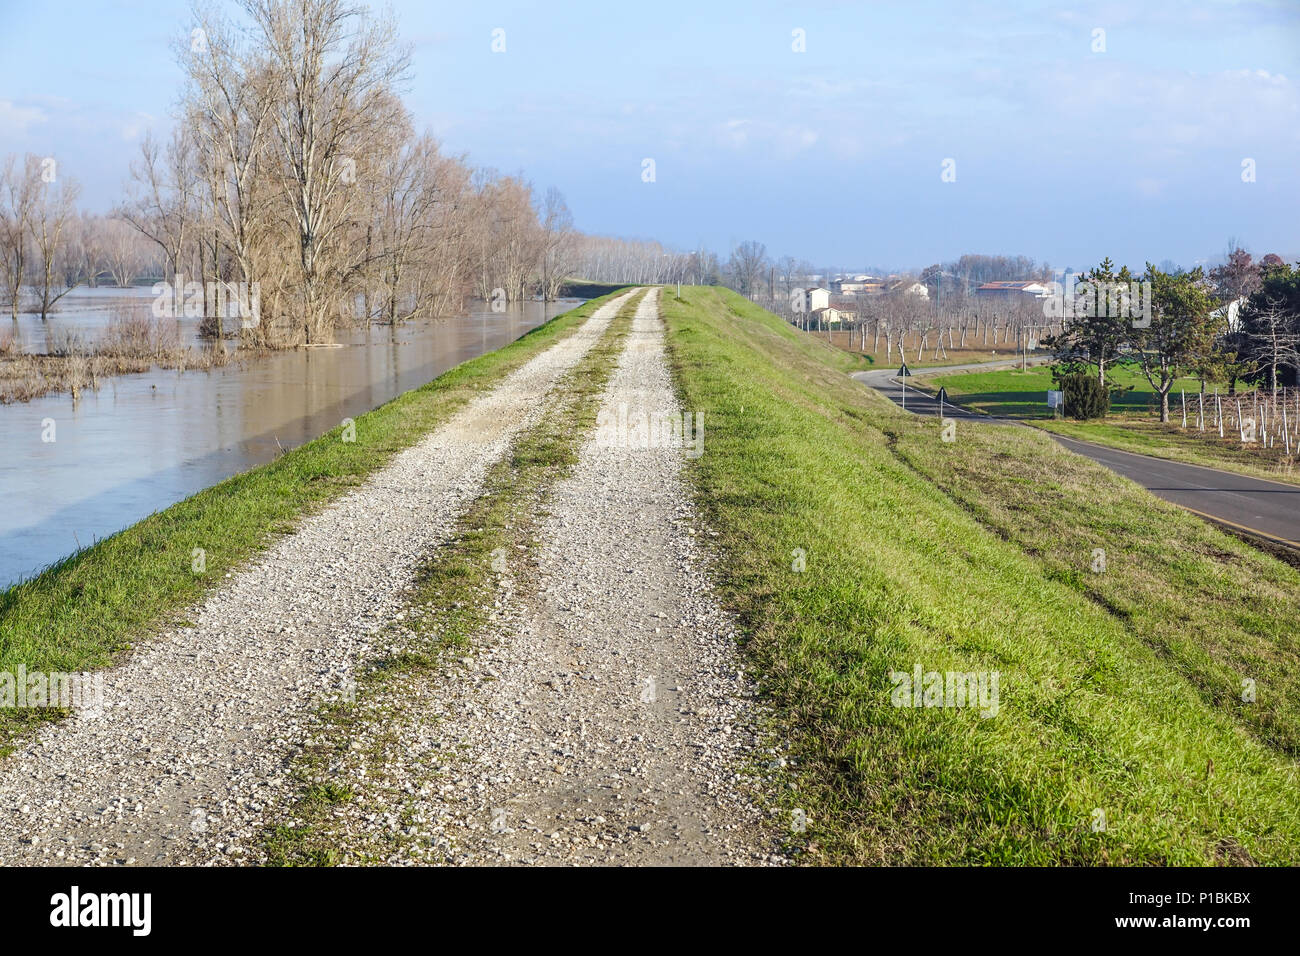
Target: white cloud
x,y
782,139
15,120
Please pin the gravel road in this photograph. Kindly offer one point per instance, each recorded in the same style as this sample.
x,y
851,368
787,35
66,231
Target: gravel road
x,y
605,718
193,741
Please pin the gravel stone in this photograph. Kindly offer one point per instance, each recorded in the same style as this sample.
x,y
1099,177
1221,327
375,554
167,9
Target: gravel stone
x,y
599,738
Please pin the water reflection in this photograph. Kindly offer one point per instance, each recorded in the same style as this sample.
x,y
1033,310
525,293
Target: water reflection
x,y
143,442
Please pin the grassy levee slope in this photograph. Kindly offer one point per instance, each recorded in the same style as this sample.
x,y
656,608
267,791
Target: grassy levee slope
x,y
1218,611
79,613
1120,695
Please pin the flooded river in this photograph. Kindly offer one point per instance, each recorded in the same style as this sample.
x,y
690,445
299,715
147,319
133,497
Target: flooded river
x,y
143,442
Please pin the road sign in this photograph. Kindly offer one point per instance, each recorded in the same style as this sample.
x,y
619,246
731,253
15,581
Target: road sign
x,y
903,370
1055,399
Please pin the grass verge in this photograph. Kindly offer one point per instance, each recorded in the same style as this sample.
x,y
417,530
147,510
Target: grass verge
x,y
1011,393
1120,734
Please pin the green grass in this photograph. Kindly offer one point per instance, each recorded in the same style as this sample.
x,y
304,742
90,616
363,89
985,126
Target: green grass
x,y
1016,394
81,613
1118,694
454,591
1214,608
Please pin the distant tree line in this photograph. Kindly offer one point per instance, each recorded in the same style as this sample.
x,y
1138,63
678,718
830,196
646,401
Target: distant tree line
x,y
293,166
48,248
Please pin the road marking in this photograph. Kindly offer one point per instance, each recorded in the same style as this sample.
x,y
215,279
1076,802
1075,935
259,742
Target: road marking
x,y
1240,527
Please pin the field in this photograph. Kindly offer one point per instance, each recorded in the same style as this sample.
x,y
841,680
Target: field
x,y
1016,394
1148,713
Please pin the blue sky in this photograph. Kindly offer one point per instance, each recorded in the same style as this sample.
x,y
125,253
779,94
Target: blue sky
x,y
834,154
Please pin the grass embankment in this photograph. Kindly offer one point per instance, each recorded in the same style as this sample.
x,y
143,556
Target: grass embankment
x,y
453,596
81,612
1120,695
1132,426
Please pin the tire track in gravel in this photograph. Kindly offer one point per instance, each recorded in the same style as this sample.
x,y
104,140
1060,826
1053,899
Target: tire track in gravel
x,y
191,744
605,718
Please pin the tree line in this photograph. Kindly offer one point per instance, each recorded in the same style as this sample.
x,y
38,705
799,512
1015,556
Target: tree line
x,y
293,167
47,247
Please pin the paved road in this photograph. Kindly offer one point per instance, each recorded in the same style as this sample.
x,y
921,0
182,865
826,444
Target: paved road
x,y
1267,508
886,382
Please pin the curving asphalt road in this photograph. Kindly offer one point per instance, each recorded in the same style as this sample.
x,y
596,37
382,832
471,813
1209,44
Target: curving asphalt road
x,y
1269,509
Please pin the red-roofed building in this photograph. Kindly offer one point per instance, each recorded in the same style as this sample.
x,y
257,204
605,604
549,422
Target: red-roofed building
x,y
1004,289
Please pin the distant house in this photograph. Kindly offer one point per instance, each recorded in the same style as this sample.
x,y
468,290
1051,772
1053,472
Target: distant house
x,y
817,298
861,287
833,316
1231,313
857,285
1012,290
911,287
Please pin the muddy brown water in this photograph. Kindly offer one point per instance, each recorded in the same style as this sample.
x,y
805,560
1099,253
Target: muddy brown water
x,y
146,441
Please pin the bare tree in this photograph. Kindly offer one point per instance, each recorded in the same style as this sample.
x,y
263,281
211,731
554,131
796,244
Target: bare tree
x,y
748,263
20,183
55,207
161,205
607,259
557,250
228,107
1271,333
406,226
509,236
332,70
445,271
85,259
114,248
294,167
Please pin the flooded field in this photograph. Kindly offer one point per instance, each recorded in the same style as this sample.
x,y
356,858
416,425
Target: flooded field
x,y
145,441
